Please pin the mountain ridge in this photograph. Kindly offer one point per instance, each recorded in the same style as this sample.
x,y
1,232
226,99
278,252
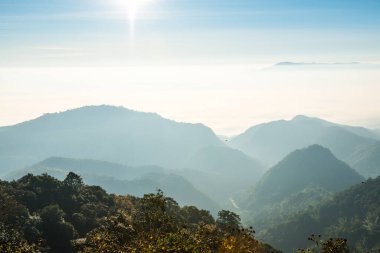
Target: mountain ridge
x,y
114,134
122,180
270,142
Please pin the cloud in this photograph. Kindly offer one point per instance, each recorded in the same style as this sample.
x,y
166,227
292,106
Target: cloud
x,y
289,64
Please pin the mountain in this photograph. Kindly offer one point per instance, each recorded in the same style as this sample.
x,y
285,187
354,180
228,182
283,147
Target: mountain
x,y
304,178
352,214
312,166
60,166
122,180
222,172
130,139
367,160
270,142
107,133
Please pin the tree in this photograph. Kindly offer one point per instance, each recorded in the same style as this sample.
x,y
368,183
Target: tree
x,y
11,242
73,183
228,221
57,232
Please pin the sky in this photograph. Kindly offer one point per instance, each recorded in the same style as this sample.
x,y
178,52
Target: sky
x,y
208,61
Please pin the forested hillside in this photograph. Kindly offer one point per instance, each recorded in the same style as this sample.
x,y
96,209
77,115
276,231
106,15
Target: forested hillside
x,y
352,214
304,177
43,214
120,179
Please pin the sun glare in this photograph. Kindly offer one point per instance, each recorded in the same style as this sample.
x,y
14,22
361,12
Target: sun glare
x,y
132,8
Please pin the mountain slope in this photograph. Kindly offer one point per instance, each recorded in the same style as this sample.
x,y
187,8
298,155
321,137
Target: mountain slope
x,y
222,172
367,160
312,166
270,142
302,179
87,166
107,133
351,214
119,179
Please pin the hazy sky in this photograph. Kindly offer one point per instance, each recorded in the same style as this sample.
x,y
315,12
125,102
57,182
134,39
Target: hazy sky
x,y
203,61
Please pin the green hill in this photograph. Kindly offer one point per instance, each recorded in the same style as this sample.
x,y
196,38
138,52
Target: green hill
x,y
304,178
122,180
314,166
352,214
43,214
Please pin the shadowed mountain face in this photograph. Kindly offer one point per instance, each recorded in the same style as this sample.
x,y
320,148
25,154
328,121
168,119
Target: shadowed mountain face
x,y
313,166
222,172
367,160
272,141
60,166
120,179
303,178
351,214
107,133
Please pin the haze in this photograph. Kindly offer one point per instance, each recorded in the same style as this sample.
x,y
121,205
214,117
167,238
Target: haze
x,y
214,62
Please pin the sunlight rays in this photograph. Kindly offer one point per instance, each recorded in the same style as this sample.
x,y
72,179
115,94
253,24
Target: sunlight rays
x,y
132,10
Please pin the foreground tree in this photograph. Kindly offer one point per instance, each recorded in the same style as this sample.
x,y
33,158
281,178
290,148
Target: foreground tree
x,y
12,242
156,223
332,245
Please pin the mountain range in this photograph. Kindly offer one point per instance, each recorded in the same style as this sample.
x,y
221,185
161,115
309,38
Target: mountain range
x,y
123,180
136,141
271,142
108,133
278,176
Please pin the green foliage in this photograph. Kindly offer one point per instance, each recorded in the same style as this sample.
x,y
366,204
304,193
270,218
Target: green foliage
x,y
156,223
67,216
12,242
352,214
332,245
228,221
50,213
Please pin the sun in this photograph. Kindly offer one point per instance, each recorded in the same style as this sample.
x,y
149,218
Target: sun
x,y
132,8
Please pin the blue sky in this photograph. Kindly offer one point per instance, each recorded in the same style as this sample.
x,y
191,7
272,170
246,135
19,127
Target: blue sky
x,y
87,32
207,61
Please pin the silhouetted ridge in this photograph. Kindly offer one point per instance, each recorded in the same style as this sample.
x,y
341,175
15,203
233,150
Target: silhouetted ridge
x,y
312,166
107,133
313,169
120,179
272,141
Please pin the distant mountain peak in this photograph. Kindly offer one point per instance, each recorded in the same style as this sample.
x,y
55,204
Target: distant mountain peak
x,y
303,117
314,165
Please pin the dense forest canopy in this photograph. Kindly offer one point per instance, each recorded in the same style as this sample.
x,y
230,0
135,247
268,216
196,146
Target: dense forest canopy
x,y
43,214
